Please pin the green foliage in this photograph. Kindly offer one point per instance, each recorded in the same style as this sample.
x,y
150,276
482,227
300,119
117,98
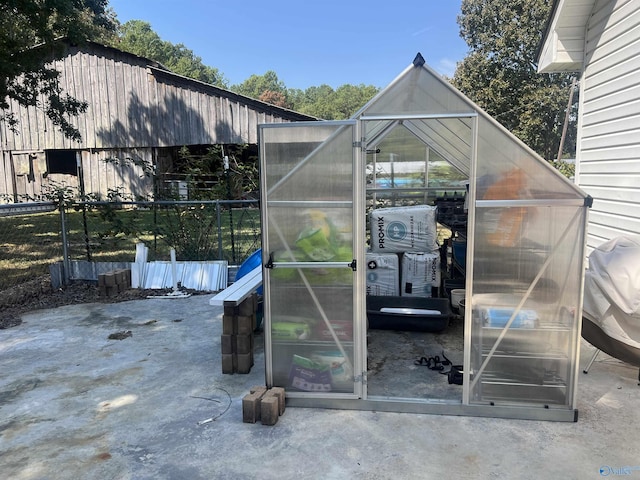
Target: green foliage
x,y
137,37
499,73
321,102
329,104
565,168
192,230
23,74
264,87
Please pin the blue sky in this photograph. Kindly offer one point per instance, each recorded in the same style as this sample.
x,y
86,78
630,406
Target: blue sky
x,y
308,43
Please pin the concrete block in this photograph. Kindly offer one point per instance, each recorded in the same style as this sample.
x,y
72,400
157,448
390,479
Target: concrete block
x,y
258,388
125,277
231,311
109,279
101,280
228,363
279,393
246,307
244,324
227,344
112,290
269,410
251,407
229,324
243,343
243,362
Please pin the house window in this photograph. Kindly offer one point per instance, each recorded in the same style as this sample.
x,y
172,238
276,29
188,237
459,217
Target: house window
x,y
62,161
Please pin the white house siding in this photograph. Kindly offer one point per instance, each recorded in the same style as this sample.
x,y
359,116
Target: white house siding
x,y
608,166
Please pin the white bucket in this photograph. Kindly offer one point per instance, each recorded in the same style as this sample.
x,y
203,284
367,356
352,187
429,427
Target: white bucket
x,y
457,294
461,306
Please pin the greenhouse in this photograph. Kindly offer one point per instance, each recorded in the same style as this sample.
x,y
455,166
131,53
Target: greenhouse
x,y
420,258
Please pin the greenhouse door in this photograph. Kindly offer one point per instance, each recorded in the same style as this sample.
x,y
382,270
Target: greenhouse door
x,y
308,191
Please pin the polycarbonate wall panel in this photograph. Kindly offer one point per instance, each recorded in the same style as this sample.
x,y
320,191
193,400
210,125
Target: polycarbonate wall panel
x,y
527,270
312,331
301,233
511,171
304,167
308,213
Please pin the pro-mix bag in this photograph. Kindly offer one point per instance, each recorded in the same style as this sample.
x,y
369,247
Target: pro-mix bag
x,y
403,229
383,274
420,274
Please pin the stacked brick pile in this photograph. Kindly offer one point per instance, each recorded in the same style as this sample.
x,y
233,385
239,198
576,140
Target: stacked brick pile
x,y
237,339
263,404
112,283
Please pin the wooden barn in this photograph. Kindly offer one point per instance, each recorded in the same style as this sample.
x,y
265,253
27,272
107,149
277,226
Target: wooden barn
x,y
139,115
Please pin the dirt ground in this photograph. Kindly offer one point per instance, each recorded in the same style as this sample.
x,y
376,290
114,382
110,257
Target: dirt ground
x,y
38,294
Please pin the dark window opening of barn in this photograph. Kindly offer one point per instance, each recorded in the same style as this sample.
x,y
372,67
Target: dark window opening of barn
x,y
62,161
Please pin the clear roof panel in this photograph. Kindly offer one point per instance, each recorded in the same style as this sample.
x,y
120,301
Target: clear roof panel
x,y
443,119
417,90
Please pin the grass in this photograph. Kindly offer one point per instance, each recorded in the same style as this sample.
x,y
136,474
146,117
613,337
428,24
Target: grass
x,y
30,243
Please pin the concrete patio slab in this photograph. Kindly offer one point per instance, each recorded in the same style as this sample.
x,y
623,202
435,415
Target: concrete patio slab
x,y
75,404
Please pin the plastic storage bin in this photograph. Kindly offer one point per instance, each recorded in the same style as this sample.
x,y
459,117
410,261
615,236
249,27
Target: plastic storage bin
x,y
431,322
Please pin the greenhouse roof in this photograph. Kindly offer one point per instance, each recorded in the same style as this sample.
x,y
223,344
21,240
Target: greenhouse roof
x,y
459,131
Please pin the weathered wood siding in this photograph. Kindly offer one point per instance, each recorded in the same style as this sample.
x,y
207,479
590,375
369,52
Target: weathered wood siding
x,y
136,110
608,166
135,103
109,170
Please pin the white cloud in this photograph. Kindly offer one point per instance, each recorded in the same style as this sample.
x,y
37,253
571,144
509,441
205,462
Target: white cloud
x,y
446,67
421,31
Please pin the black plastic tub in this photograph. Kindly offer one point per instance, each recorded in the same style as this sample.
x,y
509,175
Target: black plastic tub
x,y
416,322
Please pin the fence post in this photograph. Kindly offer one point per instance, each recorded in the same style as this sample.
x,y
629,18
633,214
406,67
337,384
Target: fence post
x,y
219,224
65,244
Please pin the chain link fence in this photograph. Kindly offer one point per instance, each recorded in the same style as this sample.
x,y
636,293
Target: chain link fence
x,y
35,236
30,240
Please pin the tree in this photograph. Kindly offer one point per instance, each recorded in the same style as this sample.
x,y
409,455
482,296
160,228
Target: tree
x,y
137,37
268,85
499,73
28,33
315,101
329,104
322,102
